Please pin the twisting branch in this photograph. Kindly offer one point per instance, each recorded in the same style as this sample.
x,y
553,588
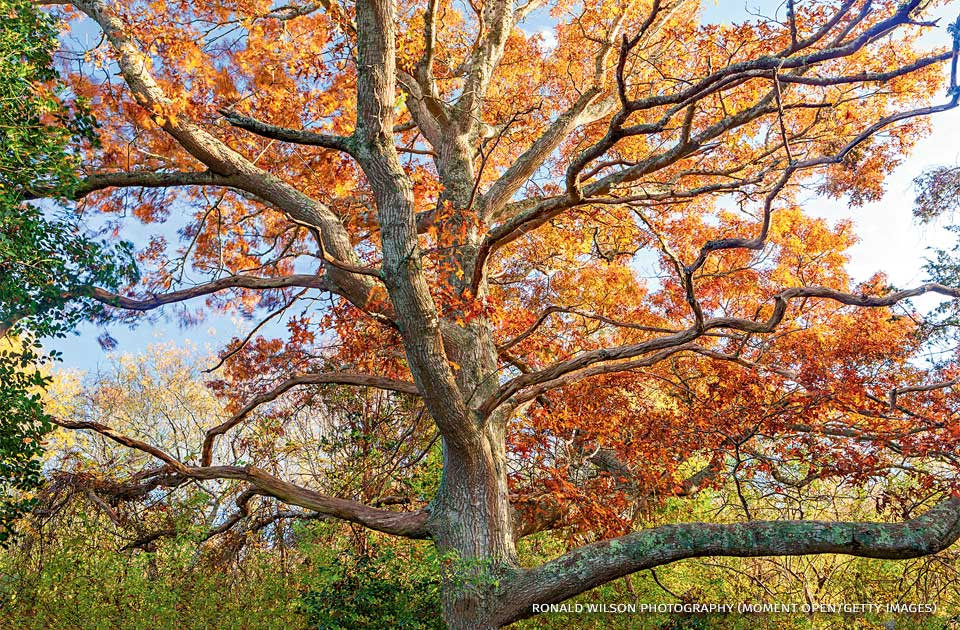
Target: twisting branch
x,y
596,564
407,524
730,76
586,109
757,242
548,209
243,512
550,310
614,359
125,440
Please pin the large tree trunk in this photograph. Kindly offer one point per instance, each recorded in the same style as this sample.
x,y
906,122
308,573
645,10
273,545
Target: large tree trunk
x,y
472,525
472,519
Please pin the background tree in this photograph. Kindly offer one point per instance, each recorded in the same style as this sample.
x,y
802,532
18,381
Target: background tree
x,y
461,210
110,541
44,259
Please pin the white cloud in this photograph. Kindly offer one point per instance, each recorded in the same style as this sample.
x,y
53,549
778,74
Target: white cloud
x,y
547,35
891,240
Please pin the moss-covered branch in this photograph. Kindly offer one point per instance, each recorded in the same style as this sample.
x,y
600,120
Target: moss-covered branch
x,y
593,565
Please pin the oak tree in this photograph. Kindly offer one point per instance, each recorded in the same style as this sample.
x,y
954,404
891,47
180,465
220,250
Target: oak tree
x,y
584,256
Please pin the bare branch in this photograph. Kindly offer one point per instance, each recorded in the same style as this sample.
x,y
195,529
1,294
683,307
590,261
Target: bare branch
x,y
550,310
243,511
125,440
230,282
140,179
284,134
407,524
899,391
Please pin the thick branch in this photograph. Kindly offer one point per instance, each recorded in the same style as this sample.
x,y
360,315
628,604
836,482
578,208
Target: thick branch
x,y
584,110
408,524
593,565
139,179
403,273
496,19
533,158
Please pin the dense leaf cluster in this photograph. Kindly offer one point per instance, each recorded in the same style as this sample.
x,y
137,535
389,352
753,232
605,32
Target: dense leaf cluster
x,y
369,590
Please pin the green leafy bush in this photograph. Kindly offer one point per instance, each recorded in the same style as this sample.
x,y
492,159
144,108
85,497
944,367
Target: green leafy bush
x,y
378,587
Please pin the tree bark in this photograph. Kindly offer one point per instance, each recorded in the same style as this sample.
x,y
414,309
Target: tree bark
x,y
472,524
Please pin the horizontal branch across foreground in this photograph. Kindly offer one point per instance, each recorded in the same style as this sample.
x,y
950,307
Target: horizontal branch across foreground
x,y
588,567
593,565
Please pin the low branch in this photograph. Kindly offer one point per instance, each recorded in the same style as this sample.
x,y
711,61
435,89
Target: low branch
x,y
407,524
243,511
588,567
125,440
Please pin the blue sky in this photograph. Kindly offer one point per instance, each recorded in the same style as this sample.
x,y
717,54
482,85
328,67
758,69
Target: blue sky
x,y
890,240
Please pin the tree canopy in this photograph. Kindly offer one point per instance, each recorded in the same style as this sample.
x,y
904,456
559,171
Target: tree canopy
x,y
586,261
